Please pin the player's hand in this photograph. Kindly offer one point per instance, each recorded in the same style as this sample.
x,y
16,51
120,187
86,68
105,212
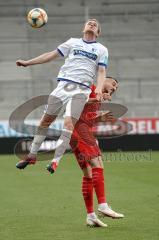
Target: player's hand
x,y
108,117
22,63
107,96
99,94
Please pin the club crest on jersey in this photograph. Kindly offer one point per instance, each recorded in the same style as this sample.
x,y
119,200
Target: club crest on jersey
x,y
89,55
94,50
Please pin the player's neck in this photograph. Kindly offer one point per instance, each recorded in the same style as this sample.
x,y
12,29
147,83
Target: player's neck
x,y
89,37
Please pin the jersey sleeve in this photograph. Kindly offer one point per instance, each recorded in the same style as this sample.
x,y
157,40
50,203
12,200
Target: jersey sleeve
x,y
103,59
64,48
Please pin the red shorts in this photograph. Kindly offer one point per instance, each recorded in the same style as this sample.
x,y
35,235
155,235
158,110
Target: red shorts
x,y
84,144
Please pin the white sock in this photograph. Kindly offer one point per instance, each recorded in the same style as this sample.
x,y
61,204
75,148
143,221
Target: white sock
x,y
62,145
103,206
91,215
37,141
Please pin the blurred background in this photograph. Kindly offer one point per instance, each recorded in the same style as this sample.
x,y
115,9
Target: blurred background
x,y
130,30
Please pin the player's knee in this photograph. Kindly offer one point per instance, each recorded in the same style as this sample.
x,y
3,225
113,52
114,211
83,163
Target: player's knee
x,y
93,164
68,124
96,163
87,172
88,175
46,121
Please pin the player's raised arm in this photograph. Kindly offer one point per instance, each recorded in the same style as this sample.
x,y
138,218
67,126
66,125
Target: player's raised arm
x,y
101,73
44,58
100,81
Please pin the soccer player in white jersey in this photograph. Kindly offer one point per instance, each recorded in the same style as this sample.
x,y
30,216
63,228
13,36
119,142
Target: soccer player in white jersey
x,y
86,60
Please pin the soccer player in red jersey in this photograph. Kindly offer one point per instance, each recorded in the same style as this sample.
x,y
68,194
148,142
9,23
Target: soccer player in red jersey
x,y
89,157
84,145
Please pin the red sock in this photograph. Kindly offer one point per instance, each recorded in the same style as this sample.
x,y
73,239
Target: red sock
x,y
87,191
98,184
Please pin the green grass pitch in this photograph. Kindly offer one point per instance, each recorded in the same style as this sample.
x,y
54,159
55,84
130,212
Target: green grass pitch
x,y
37,206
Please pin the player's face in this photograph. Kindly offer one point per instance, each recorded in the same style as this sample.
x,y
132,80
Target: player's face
x,y
110,86
113,83
92,27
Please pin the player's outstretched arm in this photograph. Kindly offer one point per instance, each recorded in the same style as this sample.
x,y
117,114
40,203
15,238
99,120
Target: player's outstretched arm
x,y
105,117
44,58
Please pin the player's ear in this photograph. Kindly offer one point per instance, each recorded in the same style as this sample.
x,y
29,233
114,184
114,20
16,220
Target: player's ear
x,y
83,28
97,34
99,30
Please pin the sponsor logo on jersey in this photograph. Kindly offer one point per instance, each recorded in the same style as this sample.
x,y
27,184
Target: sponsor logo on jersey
x,y
89,55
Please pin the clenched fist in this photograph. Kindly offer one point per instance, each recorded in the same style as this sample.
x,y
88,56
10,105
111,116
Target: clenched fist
x,y
22,63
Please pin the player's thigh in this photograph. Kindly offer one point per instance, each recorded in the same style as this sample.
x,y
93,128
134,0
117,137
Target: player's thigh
x,y
80,156
54,105
57,100
76,105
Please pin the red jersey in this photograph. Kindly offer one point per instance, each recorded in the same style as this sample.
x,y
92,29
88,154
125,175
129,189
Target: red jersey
x,y
90,110
83,142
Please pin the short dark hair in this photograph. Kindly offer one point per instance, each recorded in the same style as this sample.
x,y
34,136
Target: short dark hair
x,y
113,78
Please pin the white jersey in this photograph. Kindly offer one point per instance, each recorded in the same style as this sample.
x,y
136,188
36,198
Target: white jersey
x,y
82,60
